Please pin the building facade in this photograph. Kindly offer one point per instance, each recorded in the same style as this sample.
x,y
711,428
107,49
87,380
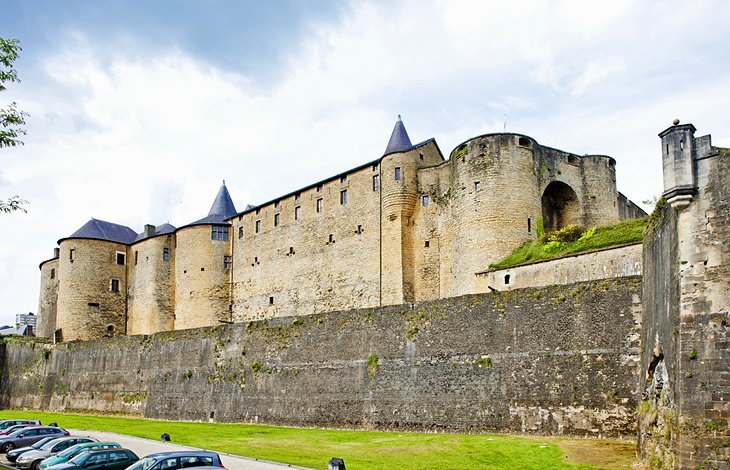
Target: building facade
x,y
406,227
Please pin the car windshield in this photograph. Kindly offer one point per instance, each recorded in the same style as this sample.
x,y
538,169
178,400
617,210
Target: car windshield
x,y
143,464
81,458
17,432
49,444
42,442
71,451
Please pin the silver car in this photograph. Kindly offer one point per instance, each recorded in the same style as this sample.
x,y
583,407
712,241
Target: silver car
x,y
32,459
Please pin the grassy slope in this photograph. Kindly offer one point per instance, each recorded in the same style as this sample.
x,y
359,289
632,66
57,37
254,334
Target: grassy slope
x,y
628,231
365,450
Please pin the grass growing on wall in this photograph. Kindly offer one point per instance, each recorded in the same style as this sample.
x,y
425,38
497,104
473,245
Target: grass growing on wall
x,y
574,239
362,449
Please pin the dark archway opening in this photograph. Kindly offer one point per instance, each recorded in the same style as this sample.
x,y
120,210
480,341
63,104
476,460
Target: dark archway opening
x,y
560,207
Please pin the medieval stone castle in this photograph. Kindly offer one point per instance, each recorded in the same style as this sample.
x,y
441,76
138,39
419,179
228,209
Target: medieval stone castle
x,y
406,227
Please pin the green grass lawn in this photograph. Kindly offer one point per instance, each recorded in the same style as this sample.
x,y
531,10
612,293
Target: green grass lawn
x,y
554,245
363,449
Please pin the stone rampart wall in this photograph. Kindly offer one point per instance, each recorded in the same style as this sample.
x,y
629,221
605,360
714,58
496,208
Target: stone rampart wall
x,y
604,264
557,360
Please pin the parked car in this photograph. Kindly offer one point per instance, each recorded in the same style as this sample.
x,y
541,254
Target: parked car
x,y
73,451
27,436
99,459
175,460
15,427
13,455
32,460
6,423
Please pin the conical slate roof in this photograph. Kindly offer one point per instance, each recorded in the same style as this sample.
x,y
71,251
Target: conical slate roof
x,y
101,230
399,140
223,204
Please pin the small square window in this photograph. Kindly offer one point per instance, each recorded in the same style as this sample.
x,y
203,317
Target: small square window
x,y
343,197
319,188
320,205
276,205
376,182
120,258
297,212
375,167
258,226
277,220
397,173
114,285
426,200
477,186
343,179
297,196
258,211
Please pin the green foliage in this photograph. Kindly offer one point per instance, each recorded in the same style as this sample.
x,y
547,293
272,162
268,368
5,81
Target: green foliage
x,y
656,215
256,367
366,450
572,239
692,355
459,151
188,373
540,229
372,366
712,426
484,361
11,120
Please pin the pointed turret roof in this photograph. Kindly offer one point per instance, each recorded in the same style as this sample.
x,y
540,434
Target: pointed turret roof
x,y
102,230
399,140
223,204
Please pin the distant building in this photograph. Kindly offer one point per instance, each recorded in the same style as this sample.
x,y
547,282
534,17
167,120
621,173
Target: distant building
x,y
25,324
405,227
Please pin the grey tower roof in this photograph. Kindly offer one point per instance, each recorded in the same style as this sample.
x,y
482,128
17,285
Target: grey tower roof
x,y
101,230
399,140
163,229
223,204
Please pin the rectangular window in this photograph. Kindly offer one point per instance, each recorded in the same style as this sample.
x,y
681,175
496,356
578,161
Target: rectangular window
x,y
72,254
227,262
319,188
297,212
477,186
136,256
343,197
375,167
320,204
166,254
276,205
277,219
258,226
397,173
53,273
343,179
120,258
296,196
376,182
114,285
240,232
529,225
426,200
219,232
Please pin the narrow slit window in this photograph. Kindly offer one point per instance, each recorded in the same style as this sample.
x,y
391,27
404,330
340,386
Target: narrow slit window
x,y
166,254
343,197
240,232
53,273
72,254
258,226
277,220
320,205
271,301
297,212
136,256
227,262
397,173
376,182
529,225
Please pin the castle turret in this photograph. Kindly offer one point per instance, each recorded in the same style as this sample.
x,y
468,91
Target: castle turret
x,y
202,267
678,149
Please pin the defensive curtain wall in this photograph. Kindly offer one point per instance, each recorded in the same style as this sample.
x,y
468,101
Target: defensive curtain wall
x,y
552,360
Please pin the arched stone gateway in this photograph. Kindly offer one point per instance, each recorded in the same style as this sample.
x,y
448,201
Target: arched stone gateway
x,y
560,206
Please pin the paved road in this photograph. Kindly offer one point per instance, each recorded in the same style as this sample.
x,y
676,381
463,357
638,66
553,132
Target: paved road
x,y
144,447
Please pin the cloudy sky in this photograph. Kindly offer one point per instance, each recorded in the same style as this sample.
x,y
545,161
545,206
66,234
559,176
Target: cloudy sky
x,y
139,109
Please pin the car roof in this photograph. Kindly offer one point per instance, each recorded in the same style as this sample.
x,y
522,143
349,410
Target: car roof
x,y
181,453
98,451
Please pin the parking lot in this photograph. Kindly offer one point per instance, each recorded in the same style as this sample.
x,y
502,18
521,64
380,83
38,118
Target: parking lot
x,y
143,447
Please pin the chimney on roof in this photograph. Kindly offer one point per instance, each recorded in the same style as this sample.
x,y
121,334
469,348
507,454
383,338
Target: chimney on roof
x,y
56,252
149,230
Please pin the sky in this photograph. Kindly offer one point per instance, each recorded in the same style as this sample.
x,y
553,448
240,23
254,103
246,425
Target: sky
x,y
139,110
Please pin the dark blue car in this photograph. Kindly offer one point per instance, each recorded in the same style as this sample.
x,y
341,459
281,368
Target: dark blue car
x,y
176,460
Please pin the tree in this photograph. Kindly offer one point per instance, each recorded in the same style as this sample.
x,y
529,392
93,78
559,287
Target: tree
x,y
11,119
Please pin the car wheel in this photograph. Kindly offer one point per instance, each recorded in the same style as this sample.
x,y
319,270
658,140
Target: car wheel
x,y
7,447
36,465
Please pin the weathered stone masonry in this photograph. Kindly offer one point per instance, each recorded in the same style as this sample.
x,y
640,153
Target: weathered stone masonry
x,y
557,360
